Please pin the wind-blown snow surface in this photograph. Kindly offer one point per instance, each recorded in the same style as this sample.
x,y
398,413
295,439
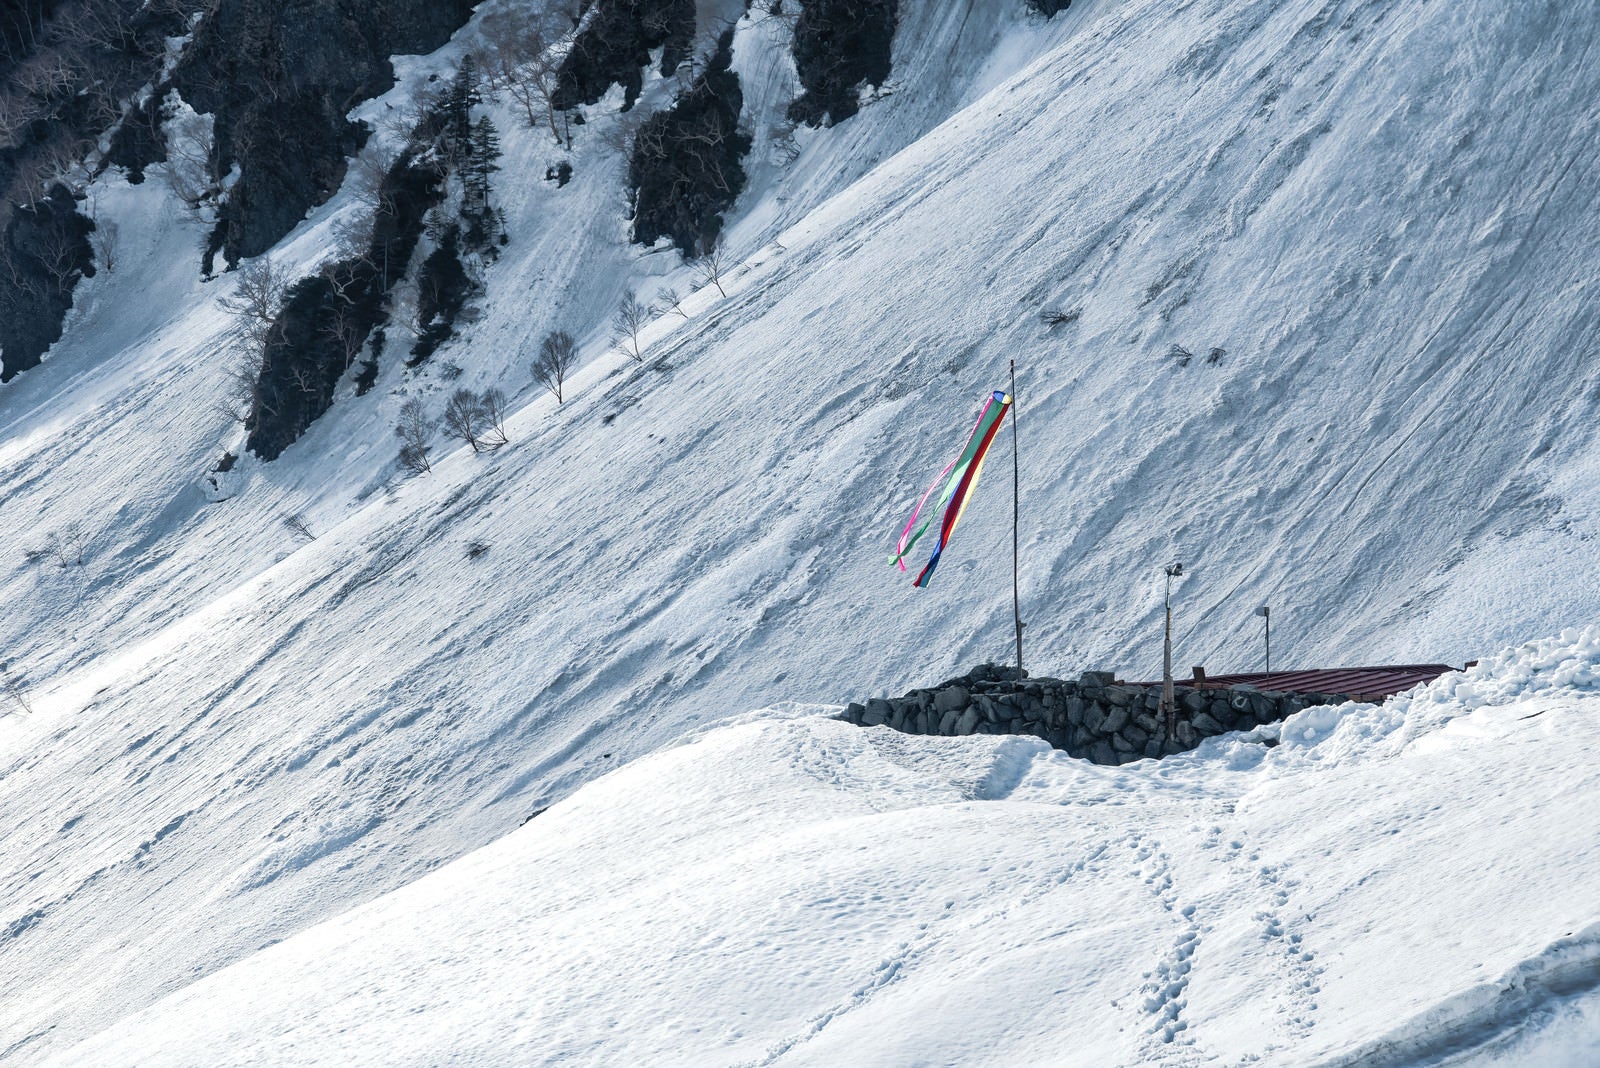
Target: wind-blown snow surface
x,y
1389,886
1382,212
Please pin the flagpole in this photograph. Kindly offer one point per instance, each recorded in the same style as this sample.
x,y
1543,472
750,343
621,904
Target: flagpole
x,y
1016,493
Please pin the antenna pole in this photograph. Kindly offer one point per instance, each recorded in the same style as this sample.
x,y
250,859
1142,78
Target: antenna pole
x,y
1016,508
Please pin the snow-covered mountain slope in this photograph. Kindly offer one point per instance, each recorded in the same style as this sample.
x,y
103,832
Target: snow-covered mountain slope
x,y
1382,212
1397,889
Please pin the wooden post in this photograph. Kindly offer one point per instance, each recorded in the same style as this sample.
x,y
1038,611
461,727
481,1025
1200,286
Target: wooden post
x,y
1168,704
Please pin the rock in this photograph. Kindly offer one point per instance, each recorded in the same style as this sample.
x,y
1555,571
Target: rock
x,y
968,722
955,698
853,712
1102,753
1207,726
989,709
878,711
1076,707
1194,701
897,719
1097,678
1152,698
1094,718
1116,719
947,722
1148,721
1186,735
1121,696
1264,708
1152,748
1137,736
1121,744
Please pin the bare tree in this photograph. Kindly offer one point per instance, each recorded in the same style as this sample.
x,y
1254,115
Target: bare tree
x,y
27,283
352,236
368,180
48,75
13,689
255,304
61,163
107,243
519,57
626,325
241,391
189,146
556,356
413,430
464,417
27,184
18,112
296,525
57,251
492,403
257,297
785,146
669,299
65,548
713,264
405,310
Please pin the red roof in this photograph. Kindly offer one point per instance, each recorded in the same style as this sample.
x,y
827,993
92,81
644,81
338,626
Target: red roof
x,y
1373,683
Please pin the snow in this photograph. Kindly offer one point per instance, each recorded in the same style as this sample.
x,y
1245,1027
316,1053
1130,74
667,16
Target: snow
x,y
791,889
1382,212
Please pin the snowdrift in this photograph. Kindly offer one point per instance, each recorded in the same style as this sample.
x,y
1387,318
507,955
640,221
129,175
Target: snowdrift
x,y
794,890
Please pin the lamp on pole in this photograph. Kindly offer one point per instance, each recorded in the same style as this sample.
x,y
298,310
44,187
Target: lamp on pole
x,y
1168,705
1265,612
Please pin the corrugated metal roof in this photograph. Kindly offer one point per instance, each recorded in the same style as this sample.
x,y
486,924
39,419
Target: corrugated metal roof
x,y
1373,683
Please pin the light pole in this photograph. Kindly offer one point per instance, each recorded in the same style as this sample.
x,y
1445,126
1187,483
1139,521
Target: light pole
x,y
1168,709
1265,612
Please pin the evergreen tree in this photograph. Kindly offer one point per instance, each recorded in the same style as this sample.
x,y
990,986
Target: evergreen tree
x,y
481,219
456,108
687,164
839,45
481,163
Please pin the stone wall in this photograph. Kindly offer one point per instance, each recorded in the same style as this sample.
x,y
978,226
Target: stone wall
x,y
1096,717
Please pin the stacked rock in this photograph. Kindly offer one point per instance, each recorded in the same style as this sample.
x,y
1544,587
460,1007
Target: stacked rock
x,y
1096,717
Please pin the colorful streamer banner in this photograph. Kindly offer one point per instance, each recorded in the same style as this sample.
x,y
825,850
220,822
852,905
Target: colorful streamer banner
x,y
962,478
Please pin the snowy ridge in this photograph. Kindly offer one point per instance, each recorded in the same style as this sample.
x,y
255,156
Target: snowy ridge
x,y
1384,213
792,890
